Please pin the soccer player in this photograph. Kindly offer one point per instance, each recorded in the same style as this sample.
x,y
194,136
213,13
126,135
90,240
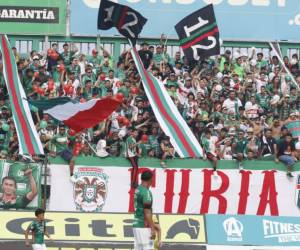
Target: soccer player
x,y
144,230
38,229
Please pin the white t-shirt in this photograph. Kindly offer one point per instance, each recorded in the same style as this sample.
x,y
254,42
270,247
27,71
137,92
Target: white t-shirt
x,y
230,105
251,110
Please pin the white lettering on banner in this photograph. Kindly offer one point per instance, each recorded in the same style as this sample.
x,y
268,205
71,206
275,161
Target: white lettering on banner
x,y
284,232
189,30
27,14
109,13
127,26
199,46
190,191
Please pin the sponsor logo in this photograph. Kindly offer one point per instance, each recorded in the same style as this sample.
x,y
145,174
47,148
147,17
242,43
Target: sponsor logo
x,y
101,227
234,229
29,14
189,226
90,189
284,232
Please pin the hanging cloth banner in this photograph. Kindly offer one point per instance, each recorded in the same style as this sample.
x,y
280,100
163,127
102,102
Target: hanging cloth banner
x,y
167,114
29,141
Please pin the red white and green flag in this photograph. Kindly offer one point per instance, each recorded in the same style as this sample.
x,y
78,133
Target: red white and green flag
x,y
29,142
167,114
76,115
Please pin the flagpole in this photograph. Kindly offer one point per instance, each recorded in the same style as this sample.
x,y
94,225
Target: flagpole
x,y
89,145
45,165
283,64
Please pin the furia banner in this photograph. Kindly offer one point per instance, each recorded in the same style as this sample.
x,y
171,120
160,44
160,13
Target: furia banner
x,y
237,19
185,187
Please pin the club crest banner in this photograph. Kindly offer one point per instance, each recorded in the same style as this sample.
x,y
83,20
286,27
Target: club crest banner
x,y
176,190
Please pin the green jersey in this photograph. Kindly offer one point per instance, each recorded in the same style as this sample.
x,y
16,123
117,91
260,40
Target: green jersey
x,y
20,202
241,146
144,149
142,199
38,229
60,141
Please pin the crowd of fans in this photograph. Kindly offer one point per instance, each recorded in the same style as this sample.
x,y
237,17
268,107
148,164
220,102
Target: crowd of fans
x,y
238,106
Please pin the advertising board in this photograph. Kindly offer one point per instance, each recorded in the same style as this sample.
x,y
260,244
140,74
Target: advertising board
x,y
253,230
96,229
237,19
35,17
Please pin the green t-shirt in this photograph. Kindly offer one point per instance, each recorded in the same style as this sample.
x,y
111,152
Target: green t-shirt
x,y
263,100
120,74
241,146
38,229
130,152
157,58
21,202
144,148
67,57
60,142
238,69
261,64
75,70
142,197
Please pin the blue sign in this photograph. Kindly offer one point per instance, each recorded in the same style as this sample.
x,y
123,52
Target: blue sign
x,y
259,20
253,230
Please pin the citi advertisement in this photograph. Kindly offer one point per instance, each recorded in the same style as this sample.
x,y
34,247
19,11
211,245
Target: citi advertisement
x,y
176,190
237,19
253,230
101,231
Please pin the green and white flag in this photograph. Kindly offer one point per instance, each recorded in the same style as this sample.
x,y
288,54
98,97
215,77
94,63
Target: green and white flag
x,y
167,114
29,142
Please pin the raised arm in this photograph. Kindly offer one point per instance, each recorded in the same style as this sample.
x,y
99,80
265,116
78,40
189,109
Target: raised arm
x,y
30,196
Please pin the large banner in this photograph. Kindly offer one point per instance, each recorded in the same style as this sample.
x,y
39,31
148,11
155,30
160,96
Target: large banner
x,y
253,230
237,19
104,229
35,17
20,185
181,190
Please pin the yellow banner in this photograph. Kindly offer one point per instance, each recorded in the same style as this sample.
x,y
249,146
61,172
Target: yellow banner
x,y
102,227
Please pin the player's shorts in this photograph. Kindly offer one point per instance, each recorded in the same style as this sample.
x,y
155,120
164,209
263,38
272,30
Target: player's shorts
x,y
142,239
39,247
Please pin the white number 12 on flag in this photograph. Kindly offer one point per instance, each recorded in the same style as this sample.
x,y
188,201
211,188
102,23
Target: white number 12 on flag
x,y
126,26
189,30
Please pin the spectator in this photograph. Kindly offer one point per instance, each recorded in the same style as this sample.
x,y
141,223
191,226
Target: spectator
x,y
167,151
209,147
286,153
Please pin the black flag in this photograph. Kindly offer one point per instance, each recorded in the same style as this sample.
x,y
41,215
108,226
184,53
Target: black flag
x,y
199,34
128,22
